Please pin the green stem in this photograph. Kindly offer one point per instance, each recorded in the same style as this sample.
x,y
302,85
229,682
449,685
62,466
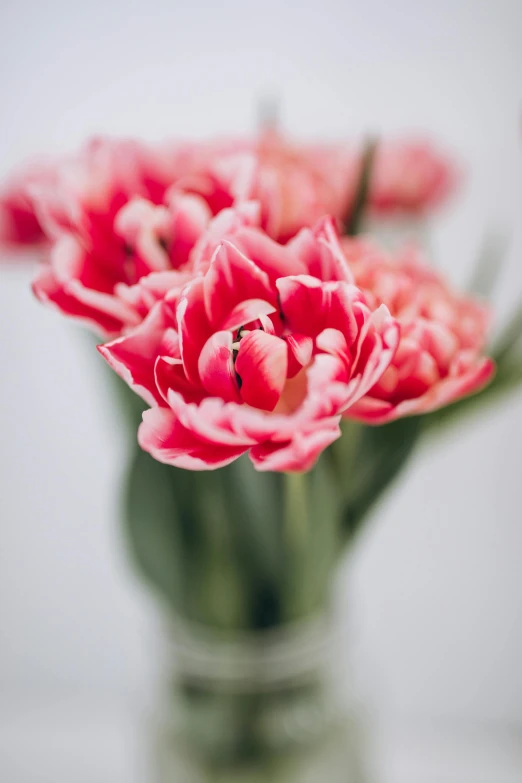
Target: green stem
x,y
296,511
489,265
354,221
296,543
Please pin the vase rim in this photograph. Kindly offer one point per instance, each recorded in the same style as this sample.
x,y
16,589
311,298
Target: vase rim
x,y
266,658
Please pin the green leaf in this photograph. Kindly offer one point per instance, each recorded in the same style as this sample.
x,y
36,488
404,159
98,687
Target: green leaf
x,y
507,379
324,543
153,527
256,505
489,265
379,457
510,340
209,542
179,532
253,508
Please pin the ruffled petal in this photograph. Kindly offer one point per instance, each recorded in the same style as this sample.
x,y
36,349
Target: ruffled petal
x,y
300,349
60,283
216,367
261,364
164,436
169,375
231,279
304,304
134,355
298,455
189,217
272,258
193,326
320,252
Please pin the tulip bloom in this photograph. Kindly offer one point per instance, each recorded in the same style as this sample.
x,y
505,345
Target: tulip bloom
x,y
409,179
440,354
262,351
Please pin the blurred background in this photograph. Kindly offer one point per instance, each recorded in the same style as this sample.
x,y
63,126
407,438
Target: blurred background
x,y
436,579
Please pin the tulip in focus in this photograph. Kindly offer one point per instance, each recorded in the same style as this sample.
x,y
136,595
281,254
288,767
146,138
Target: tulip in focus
x,y
262,352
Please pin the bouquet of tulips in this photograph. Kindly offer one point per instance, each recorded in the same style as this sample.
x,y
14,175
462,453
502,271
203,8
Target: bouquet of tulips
x,y
277,363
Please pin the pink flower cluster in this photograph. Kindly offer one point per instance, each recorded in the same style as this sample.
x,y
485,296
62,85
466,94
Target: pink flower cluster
x,y
295,185
231,304
97,211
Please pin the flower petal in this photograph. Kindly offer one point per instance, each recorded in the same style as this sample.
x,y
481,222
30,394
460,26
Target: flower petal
x,y
62,283
272,258
231,279
134,355
247,311
303,303
164,436
169,375
193,326
216,367
321,253
298,455
261,364
300,349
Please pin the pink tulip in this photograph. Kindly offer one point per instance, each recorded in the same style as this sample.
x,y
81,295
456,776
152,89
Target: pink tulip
x,y
295,184
103,277
298,185
262,351
440,354
410,178
120,210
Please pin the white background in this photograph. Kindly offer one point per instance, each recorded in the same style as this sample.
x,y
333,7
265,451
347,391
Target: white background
x,y
437,578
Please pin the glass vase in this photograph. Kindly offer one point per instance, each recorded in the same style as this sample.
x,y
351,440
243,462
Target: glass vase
x,y
276,705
